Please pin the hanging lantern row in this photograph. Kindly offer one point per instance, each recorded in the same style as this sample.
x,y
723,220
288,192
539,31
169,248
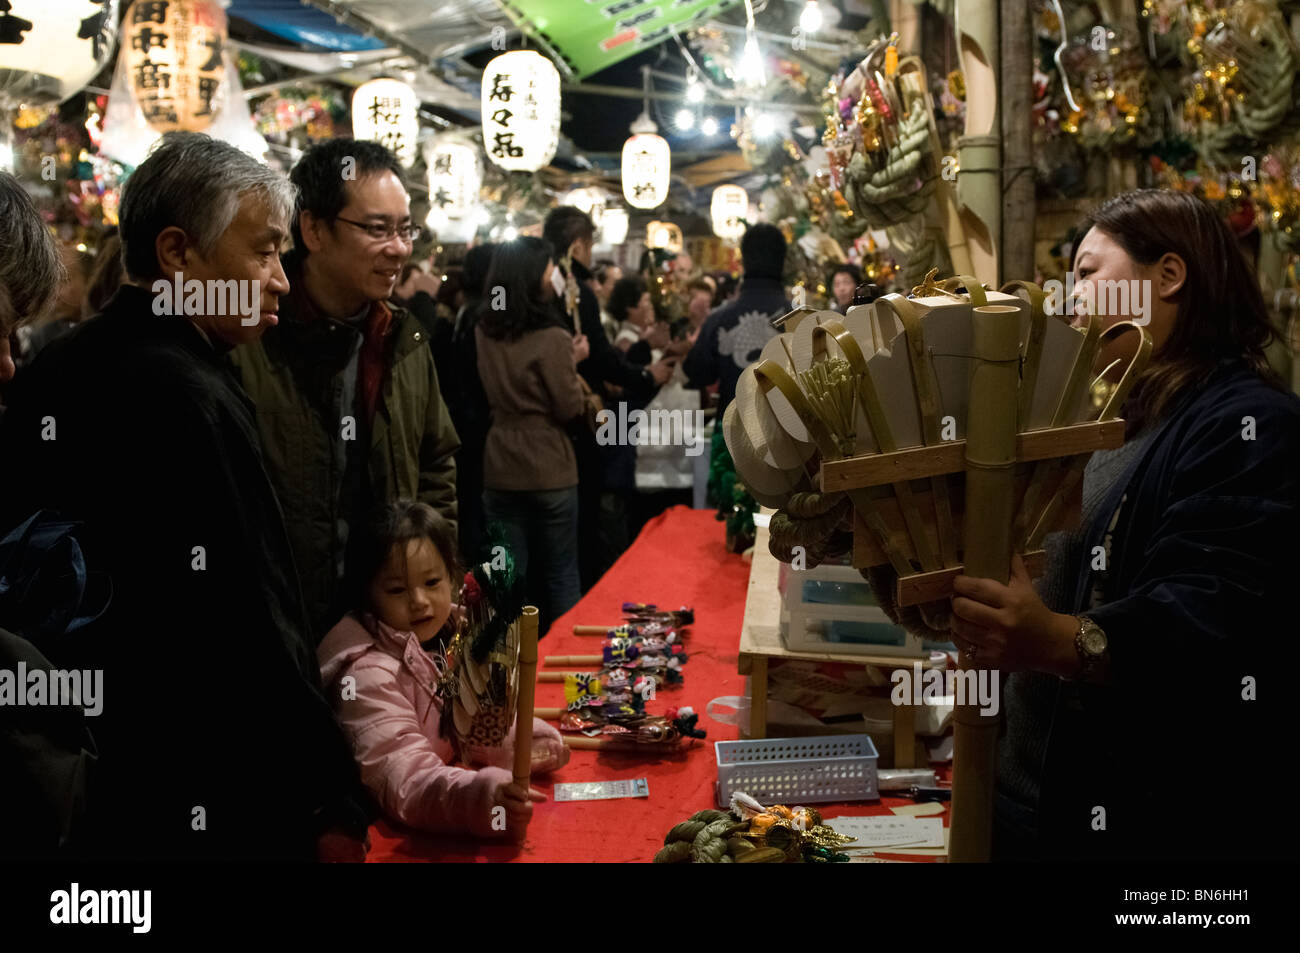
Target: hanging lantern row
x,y
613,225
647,167
454,179
664,235
50,49
385,111
521,110
174,58
728,209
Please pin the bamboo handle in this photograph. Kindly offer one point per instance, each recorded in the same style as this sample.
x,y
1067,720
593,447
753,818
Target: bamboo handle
x,y
554,676
527,696
556,660
990,510
592,629
548,713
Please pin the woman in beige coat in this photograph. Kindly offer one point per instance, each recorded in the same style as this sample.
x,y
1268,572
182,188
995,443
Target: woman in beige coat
x,y
527,360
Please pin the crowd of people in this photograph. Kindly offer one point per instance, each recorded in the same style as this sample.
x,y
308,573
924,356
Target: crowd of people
x,y
249,514
230,511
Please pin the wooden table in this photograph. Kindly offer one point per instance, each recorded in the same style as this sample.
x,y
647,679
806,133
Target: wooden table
x,y
760,640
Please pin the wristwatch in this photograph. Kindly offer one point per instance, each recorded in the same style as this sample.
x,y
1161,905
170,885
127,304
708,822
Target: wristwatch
x,y
1090,643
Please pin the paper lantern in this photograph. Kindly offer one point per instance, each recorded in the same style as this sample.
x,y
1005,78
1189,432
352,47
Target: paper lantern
x,y
50,49
647,165
729,207
664,235
454,178
613,226
173,52
521,110
590,200
384,111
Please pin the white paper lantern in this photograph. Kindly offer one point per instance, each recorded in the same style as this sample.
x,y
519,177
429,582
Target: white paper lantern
x,y
174,56
454,179
729,206
647,166
521,110
613,225
664,235
50,49
384,111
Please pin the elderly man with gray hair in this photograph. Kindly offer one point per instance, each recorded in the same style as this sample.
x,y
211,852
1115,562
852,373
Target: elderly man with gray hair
x,y
215,739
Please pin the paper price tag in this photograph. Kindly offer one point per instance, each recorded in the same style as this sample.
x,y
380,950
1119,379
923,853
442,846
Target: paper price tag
x,y
601,790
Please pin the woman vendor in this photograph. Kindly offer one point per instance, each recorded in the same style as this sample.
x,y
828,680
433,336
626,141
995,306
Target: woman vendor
x,y
1143,663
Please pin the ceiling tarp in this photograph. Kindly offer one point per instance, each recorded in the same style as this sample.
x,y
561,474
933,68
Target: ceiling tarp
x,y
291,20
438,28
593,34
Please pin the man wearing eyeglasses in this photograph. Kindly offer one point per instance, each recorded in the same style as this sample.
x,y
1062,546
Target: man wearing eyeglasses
x,y
347,396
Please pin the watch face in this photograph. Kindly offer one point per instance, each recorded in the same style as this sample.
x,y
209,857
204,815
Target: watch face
x,y
1094,641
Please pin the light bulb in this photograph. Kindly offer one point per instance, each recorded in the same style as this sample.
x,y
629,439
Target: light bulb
x,y
764,126
810,21
751,63
709,126
685,119
694,91
511,233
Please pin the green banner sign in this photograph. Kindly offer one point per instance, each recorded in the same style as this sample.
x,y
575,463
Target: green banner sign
x,y
593,34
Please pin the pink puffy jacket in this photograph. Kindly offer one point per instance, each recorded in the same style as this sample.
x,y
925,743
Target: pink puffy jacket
x,y
392,717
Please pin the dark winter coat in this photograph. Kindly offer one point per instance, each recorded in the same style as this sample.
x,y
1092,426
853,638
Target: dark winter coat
x,y
215,738
1197,599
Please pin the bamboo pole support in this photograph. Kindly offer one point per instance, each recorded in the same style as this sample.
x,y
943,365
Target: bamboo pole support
x,y
527,696
592,629
990,509
548,714
979,178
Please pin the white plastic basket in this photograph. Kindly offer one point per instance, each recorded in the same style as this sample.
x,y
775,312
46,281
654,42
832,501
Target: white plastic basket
x,y
794,771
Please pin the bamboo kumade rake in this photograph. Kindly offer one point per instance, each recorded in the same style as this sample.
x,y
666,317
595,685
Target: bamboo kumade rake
x,y
946,431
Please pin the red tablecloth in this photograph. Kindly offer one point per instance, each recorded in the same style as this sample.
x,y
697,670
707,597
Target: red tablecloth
x,y
678,559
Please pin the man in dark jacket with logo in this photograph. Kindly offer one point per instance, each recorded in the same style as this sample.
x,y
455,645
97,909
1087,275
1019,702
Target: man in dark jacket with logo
x,y
215,739
733,336
347,396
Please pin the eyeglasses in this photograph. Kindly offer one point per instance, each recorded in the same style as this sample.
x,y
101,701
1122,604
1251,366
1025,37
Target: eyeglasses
x,y
383,232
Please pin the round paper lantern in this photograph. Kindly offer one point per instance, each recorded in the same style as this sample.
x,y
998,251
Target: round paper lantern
x,y
729,206
664,235
454,179
613,225
647,165
174,53
521,110
50,49
384,111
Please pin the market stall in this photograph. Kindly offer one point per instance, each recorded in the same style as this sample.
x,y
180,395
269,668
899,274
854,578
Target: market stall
x,y
678,559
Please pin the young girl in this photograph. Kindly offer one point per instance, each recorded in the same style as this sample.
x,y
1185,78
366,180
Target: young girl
x,y
380,666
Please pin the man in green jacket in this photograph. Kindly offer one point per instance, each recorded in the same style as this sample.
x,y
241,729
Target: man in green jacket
x,y
347,396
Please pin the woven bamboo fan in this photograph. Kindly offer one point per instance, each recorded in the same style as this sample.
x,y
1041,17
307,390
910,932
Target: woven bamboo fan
x,y
481,685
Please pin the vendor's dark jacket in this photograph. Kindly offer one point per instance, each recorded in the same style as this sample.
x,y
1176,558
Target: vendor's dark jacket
x,y
732,337
215,739
1198,606
294,376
